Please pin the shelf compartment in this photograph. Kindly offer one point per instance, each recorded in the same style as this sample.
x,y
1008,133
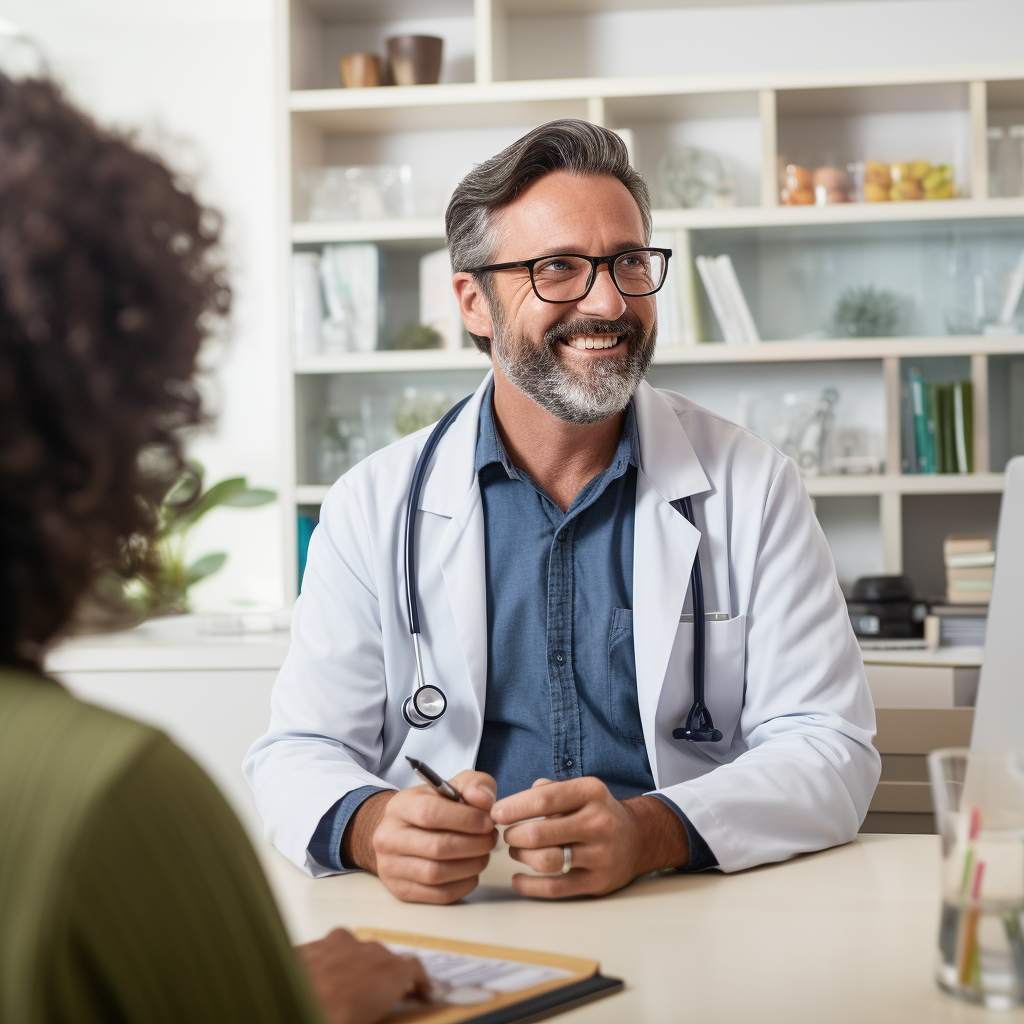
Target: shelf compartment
x,y
793,277
725,124
1005,408
927,518
836,127
323,30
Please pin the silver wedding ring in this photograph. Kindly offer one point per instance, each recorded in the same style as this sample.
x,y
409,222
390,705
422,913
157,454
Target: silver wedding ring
x,y
566,859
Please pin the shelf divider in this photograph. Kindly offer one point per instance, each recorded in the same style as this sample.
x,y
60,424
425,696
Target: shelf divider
x,y
769,147
890,511
979,384
979,140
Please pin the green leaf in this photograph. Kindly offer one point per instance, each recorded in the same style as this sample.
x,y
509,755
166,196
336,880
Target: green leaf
x,y
251,498
185,488
218,494
205,566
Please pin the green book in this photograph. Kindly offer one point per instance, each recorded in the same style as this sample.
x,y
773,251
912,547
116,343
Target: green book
x,y
947,426
931,433
963,426
938,397
919,407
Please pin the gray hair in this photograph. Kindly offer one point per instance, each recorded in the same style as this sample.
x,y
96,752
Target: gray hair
x,y
566,145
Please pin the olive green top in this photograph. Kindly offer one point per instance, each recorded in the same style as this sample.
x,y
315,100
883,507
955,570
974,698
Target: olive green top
x,y
128,889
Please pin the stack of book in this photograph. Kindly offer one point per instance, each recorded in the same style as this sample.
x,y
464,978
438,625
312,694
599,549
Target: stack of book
x,y
970,564
938,426
961,625
727,300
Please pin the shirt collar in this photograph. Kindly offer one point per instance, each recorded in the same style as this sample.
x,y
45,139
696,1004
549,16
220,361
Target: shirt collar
x,y
489,448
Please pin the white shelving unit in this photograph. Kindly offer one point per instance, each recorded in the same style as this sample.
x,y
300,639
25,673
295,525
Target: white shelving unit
x,y
440,130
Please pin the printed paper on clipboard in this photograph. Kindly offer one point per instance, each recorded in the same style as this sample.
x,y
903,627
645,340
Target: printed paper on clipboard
x,y
476,982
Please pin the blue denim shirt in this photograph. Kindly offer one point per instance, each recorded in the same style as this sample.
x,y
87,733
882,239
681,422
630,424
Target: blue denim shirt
x,y
561,697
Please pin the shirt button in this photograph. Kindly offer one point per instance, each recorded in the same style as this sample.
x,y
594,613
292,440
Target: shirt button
x,y
559,657
568,762
561,535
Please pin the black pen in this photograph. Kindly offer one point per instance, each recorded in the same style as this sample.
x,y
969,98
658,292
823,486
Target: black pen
x,y
431,778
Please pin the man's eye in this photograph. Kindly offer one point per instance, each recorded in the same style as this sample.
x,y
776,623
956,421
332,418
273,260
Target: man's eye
x,y
555,267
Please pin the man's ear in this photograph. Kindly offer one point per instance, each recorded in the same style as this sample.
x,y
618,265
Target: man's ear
x,y
473,304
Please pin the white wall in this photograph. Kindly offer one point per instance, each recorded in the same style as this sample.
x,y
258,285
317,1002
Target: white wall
x,y
199,78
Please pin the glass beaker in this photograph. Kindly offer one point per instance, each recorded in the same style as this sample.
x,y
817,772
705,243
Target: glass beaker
x,y
979,811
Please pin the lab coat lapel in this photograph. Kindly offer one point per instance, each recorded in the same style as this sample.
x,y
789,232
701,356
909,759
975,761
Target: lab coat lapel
x,y
664,546
452,490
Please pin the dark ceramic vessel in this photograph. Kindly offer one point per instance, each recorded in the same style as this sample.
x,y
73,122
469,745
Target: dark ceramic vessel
x,y
415,60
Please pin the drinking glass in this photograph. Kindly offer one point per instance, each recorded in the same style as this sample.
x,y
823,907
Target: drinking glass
x,y
979,810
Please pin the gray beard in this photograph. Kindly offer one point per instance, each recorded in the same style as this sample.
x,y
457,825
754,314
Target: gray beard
x,y
602,390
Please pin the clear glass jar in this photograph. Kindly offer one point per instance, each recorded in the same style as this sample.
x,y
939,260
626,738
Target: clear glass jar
x,y
1013,161
996,144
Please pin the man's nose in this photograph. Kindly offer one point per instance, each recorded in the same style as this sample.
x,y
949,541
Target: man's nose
x,y
604,299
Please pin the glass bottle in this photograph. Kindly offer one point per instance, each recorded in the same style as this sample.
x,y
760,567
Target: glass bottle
x,y
1013,165
996,144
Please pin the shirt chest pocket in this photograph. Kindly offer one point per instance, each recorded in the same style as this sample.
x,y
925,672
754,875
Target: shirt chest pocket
x,y
623,706
724,664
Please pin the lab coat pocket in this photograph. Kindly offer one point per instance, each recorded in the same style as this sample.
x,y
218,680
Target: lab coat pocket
x,y
623,705
724,663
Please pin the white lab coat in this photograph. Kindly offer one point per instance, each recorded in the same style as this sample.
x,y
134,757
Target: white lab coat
x,y
785,683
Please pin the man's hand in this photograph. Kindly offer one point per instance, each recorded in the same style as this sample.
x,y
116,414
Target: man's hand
x,y
612,841
424,848
358,982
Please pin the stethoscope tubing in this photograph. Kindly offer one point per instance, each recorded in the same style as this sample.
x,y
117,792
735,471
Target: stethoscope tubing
x,y
699,726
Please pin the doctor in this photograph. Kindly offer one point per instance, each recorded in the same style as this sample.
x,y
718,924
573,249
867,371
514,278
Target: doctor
x,y
553,583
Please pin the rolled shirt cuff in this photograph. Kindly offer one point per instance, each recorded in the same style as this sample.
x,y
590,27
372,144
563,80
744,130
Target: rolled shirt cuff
x,y
325,846
701,857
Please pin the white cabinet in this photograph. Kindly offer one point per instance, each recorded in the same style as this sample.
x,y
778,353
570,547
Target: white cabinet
x,y
209,694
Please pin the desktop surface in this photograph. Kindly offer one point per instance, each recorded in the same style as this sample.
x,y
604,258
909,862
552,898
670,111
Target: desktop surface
x,y
847,934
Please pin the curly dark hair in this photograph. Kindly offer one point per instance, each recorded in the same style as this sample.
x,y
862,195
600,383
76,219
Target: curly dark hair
x,y
111,278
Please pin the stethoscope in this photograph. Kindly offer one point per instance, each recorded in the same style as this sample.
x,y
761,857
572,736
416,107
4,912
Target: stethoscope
x,y
427,703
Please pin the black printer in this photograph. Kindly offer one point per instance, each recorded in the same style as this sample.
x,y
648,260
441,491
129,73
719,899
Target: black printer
x,y
884,608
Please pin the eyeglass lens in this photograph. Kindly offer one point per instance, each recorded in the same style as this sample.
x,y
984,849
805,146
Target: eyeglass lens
x,y
565,278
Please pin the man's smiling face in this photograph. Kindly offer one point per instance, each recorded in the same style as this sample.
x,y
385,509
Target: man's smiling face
x,y
582,360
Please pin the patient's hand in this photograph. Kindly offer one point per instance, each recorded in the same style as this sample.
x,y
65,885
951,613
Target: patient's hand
x,y
358,982
612,841
423,847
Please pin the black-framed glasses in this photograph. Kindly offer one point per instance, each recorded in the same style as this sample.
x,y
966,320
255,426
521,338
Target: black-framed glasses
x,y
568,277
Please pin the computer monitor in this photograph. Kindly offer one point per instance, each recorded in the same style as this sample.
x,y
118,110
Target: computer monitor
x,y
999,709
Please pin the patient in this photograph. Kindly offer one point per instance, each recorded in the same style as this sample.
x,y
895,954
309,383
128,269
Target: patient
x,y
128,889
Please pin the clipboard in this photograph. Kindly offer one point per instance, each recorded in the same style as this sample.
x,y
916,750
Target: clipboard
x,y
579,981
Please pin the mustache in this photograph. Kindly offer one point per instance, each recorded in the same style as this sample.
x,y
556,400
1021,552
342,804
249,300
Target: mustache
x,y
628,327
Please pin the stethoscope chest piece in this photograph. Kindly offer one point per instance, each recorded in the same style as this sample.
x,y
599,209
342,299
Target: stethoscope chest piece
x,y
424,706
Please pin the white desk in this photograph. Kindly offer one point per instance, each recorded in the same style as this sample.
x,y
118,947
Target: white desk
x,y
847,935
